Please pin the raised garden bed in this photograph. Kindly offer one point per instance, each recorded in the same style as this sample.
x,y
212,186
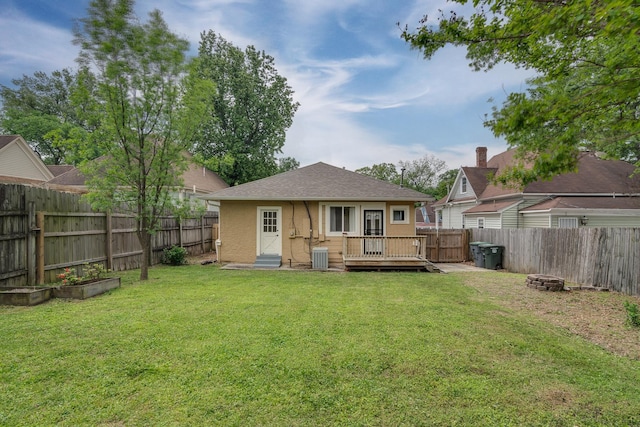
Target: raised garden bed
x,y
24,296
87,289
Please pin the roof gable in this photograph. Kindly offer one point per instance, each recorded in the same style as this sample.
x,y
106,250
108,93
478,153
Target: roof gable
x,y
594,176
201,178
18,160
318,181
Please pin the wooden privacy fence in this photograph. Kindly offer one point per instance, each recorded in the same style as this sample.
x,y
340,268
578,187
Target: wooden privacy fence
x,y
605,257
37,242
445,245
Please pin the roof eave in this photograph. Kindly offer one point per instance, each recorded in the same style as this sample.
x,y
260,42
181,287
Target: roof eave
x,y
315,199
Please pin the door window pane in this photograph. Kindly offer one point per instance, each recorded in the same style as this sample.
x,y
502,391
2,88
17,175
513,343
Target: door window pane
x,y
270,221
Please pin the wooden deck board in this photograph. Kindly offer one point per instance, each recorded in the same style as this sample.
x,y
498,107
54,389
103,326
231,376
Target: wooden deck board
x,y
389,263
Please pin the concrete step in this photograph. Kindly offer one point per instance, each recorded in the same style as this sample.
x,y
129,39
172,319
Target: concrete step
x,y
268,261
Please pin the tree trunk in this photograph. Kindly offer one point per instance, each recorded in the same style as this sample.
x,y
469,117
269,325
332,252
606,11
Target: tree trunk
x,y
145,242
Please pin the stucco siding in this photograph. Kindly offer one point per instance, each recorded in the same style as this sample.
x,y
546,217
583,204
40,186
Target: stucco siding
x,y
238,232
301,229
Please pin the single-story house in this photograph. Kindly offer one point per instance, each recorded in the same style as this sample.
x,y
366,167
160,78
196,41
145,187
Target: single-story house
x,y
319,208
602,193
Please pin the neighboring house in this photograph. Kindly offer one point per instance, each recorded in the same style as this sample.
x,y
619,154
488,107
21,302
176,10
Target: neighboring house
x,y
602,193
426,217
198,181
19,163
291,214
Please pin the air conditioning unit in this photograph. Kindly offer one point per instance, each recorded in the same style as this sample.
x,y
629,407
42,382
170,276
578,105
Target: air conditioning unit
x,y
320,258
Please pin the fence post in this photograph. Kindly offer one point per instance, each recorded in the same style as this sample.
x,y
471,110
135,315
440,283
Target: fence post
x,y
109,243
202,232
180,232
32,255
40,256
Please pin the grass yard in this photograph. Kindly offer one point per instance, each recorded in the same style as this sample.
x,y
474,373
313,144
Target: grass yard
x,y
196,345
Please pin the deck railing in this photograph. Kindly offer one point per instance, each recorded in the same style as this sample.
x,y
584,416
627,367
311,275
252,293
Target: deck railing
x,y
383,247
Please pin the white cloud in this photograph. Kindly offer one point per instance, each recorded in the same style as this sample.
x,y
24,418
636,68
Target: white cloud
x,y
33,46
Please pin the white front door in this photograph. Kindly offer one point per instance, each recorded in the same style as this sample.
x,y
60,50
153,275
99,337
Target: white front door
x,y
269,235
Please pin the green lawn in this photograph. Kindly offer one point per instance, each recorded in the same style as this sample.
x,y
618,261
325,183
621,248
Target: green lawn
x,y
199,346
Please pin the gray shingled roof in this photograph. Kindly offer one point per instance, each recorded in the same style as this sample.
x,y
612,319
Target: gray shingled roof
x,y
319,182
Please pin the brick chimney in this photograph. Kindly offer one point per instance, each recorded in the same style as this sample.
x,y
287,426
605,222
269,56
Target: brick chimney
x,y
481,157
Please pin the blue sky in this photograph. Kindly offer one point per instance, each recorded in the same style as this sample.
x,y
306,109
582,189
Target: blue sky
x,y
365,96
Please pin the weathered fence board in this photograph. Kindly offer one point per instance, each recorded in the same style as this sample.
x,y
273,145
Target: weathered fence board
x,y
604,257
446,245
66,232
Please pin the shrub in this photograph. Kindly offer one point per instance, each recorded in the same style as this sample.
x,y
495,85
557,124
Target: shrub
x,y
175,255
94,271
69,277
633,314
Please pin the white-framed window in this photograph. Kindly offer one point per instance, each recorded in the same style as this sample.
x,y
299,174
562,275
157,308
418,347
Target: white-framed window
x,y
480,222
567,222
463,184
399,214
342,219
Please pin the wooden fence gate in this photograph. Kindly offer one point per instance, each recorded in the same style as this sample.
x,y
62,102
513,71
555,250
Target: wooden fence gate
x,y
446,245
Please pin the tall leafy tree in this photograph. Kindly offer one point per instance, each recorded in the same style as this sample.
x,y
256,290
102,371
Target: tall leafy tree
x,y
586,93
47,111
382,171
147,121
252,109
422,174
286,164
445,183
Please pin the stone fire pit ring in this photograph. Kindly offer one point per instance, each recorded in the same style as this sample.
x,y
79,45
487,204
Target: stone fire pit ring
x,y
544,282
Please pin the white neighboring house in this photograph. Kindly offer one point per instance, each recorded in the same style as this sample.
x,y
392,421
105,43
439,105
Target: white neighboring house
x,y
602,193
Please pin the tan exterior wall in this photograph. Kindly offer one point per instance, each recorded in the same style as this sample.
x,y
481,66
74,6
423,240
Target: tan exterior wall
x,y
300,234
237,232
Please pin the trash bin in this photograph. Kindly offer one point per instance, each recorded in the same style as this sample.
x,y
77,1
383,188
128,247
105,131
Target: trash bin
x,y
476,253
492,255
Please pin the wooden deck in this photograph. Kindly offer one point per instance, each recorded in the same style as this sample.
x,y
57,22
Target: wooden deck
x,y
369,263
385,253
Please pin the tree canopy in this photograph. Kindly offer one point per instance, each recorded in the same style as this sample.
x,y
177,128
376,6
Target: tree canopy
x,y
48,111
424,174
586,92
252,108
382,171
147,114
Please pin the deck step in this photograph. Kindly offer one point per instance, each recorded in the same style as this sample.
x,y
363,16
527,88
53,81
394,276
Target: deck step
x,y
268,261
